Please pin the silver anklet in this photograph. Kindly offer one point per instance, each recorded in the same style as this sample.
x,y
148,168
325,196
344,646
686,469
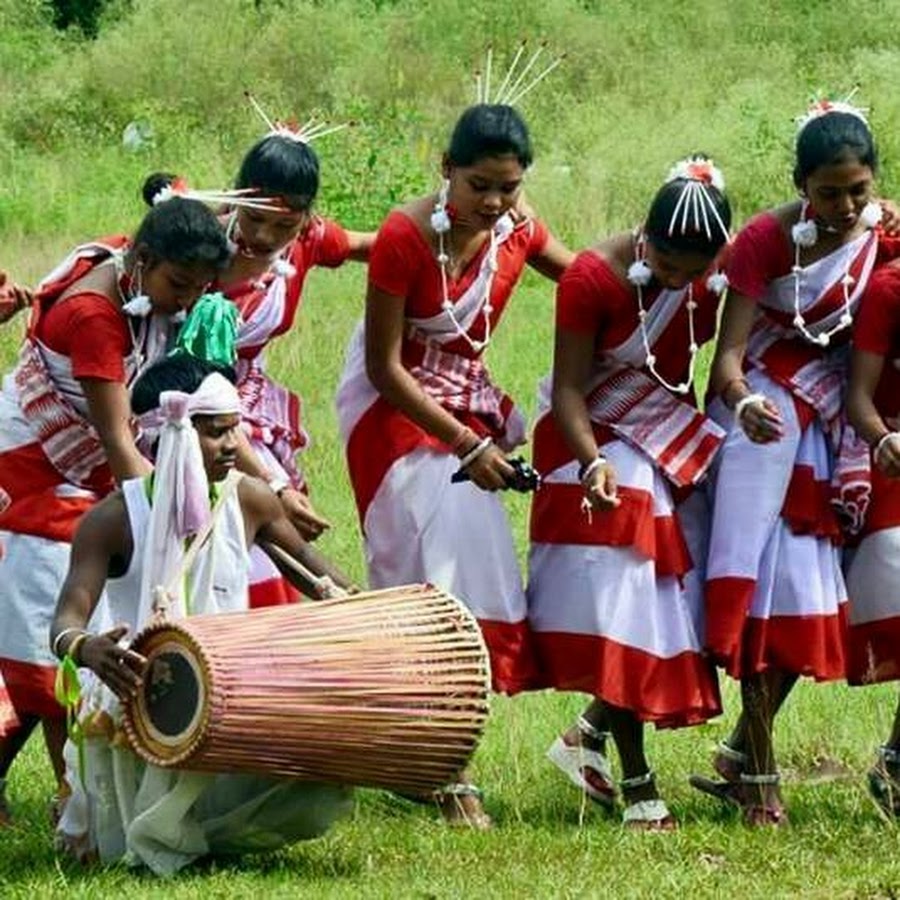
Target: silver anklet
x,y
723,748
760,778
627,784
589,730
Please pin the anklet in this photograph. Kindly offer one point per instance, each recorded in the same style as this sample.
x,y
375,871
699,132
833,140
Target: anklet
x,y
760,778
725,749
589,730
627,784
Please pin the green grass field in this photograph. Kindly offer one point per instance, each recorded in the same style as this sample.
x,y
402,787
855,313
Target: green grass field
x,y
643,85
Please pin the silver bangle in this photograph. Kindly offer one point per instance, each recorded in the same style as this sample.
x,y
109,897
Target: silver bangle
x,y
584,475
55,645
475,452
744,402
277,485
884,439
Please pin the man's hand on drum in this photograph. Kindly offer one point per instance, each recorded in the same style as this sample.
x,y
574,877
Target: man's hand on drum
x,y
120,669
302,515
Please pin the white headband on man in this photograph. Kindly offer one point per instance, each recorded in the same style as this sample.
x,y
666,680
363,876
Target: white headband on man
x,y
181,476
181,504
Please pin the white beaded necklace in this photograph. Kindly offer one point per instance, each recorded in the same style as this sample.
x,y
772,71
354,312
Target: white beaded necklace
x,y
639,274
442,226
805,233
279,264
134,306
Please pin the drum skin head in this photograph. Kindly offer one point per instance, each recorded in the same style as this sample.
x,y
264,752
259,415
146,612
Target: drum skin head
x,y
168,716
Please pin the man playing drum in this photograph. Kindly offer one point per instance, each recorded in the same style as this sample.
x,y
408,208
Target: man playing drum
x,y
175,544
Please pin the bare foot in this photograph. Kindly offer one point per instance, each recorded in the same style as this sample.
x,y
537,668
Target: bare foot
x,y
461,805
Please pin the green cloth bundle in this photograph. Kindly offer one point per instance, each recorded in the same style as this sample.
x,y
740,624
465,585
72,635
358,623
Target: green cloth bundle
x,y
210,330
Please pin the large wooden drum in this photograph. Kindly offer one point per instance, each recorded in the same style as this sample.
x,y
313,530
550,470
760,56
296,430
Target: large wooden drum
x,y
386,689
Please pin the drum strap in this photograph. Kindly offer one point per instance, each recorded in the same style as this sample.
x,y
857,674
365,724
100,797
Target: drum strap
x,y
162,594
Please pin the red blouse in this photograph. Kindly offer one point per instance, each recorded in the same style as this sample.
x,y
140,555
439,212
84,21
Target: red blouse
x,y
877,330
403,264
593,299
322,243
763,252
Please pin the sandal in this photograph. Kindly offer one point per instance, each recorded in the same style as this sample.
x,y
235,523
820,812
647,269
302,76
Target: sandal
x,y
883,785
728,762
646,815
762,812
589,770
461,805
729,765
727,791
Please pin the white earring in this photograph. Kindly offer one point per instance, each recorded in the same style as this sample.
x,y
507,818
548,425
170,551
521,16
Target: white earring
x,y
440,218
138,304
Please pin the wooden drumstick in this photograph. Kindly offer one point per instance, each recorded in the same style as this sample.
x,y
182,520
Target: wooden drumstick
x,y
323,586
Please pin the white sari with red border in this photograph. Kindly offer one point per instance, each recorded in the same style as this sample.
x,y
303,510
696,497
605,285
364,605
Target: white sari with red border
x,y
776,597
615,599
418,526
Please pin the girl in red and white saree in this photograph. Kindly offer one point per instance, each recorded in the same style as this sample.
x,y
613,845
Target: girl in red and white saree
x,y
618,528
416,402
275,251
793,476
873,567
66,431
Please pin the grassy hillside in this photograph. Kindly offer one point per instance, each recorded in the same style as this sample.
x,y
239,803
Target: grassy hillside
x,y
643,84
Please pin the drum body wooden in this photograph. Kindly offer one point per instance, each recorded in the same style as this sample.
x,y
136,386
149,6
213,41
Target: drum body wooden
x,y
386,689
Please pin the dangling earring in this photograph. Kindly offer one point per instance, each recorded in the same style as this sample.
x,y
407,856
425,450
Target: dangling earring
x,y
138,304
440,217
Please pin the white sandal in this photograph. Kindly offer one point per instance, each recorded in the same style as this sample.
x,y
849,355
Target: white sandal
x,y
646,815
589,770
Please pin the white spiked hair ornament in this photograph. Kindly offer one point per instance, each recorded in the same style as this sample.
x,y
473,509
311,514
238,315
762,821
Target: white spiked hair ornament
x,y
521,77
178,187
823,106
694,202
309,131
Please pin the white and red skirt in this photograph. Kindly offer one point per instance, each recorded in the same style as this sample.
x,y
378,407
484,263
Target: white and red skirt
x,y
775,595
873,586
615,598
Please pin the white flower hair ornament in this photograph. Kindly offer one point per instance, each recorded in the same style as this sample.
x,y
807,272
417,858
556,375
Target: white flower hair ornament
x,y
823,106
306,133
695,206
